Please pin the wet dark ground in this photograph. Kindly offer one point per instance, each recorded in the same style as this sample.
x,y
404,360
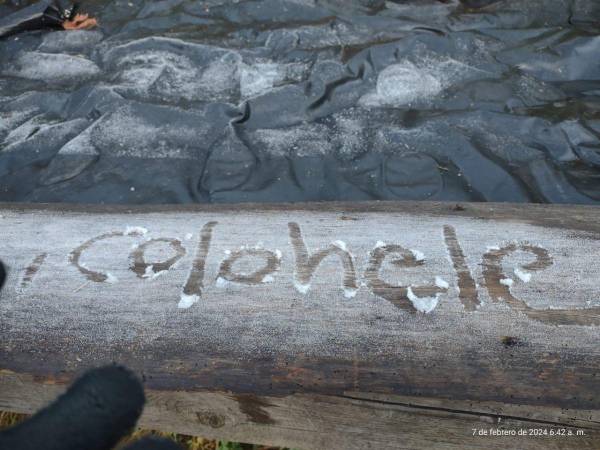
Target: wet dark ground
x,y
178,101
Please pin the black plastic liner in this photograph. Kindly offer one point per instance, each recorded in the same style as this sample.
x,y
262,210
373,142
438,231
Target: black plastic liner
x,y
298,100
46,14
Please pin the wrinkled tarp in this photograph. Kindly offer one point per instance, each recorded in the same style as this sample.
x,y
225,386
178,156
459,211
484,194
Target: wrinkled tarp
x,y
46,14
299,100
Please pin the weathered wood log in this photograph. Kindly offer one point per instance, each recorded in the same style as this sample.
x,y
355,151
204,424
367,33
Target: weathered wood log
x,y
395,325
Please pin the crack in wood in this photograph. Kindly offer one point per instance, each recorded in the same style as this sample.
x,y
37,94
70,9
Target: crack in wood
x,y
498,417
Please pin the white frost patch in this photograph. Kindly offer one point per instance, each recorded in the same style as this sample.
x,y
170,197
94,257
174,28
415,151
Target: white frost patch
x,y
419,256
25,130
407,82
132,231
188,236
158,274
74,40
507,282
278,254
380,244
340,244
171,75
149,272
301,140
221,283
80,145
525,277
187,301
227,252
441,283
12,119
422,304
110,278
267,279
256,79
128,133
350,293
51,67
302,288
492,248
402,84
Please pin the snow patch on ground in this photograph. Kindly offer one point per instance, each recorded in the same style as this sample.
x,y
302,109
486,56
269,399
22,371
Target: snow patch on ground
x,y
507,282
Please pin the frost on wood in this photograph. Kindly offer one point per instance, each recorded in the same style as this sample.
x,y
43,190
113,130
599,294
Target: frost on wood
x,y
187,301
422,304
295,275
136,231
441,283
525,277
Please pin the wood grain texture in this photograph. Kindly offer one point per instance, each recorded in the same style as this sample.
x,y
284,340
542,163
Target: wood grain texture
x,y
396,325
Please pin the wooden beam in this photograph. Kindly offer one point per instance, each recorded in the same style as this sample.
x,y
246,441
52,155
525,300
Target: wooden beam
x,y
332,325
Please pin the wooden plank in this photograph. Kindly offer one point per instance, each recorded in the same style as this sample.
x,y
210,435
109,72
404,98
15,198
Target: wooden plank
x,y
402,325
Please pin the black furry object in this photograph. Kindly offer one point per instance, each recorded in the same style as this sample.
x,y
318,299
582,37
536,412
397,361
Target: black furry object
x,y
2,275
45,14
94,414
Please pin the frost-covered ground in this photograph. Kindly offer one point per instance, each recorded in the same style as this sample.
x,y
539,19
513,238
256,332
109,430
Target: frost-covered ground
x,y
288,100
